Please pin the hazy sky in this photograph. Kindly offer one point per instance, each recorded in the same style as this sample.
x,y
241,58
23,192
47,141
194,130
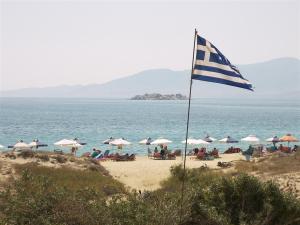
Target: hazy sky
x,y
47,43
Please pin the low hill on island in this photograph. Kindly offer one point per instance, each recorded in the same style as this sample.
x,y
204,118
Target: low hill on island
x,y
156,96
278,78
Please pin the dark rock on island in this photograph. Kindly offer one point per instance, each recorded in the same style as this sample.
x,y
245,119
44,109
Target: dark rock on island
x,y
156,96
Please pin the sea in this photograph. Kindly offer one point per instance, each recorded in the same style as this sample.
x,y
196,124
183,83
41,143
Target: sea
x,y
94,120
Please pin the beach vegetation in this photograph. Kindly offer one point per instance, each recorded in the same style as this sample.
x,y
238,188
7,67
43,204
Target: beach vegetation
x,y
43,157
60,158
25,154
63,195
73,179
277,163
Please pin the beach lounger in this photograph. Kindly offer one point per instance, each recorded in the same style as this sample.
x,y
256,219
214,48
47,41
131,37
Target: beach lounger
x,y
209,157
285,149
99,156
177,152
156,155
214,153
125,157
105,156
171,156
232,150
86,154
58,151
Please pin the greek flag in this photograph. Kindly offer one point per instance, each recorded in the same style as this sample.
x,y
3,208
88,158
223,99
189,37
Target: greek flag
x,y
212,66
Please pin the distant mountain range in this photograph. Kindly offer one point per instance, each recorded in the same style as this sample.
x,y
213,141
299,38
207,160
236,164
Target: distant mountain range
x,y
278,78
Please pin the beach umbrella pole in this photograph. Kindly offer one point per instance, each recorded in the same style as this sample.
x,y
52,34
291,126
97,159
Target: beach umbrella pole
x,y
187,129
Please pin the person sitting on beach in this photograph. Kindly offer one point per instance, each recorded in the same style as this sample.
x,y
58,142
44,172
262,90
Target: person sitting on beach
x,y
273,148
295,148
280,147
155,150
215,153
196,150
203,150
163,154
249,151
201,155
95,153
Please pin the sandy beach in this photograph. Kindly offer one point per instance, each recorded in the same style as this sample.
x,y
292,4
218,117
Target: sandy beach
x,y
146,174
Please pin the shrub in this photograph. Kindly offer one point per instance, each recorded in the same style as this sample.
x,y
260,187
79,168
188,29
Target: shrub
x,y
39,200
10,155
60,158
64,196
26,154
216,198
43,157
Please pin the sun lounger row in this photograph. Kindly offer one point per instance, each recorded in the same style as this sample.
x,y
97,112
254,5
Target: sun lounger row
x,y
232,150
98,155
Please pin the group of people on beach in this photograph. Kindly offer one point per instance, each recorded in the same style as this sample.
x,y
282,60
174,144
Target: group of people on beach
x,y
203,154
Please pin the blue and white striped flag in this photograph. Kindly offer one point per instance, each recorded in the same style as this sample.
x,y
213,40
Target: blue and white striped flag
x,y
212,66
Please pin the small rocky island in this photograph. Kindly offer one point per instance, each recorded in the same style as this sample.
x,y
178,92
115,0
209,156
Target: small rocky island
x,y
156,96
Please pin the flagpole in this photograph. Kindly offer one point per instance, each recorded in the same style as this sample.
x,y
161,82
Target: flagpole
x,y
187,129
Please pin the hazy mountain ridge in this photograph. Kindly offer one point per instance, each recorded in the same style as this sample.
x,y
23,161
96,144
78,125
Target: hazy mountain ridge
x,y
278,78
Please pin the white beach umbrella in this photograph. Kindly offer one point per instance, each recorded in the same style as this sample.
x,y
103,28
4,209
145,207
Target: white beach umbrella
x,y
146,141
107,141
33,144
77,145
21,145
274,139
37,144
67,143
79,142
119,142
202,142
209,139
228,139
161,141
250,138
143,142
192,141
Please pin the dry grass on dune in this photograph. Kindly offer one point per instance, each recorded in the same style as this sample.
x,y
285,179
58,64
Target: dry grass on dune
x,y
275,164
280,168
74,179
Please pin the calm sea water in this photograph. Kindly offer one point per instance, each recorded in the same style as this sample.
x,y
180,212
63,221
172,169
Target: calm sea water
x,y
94,120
